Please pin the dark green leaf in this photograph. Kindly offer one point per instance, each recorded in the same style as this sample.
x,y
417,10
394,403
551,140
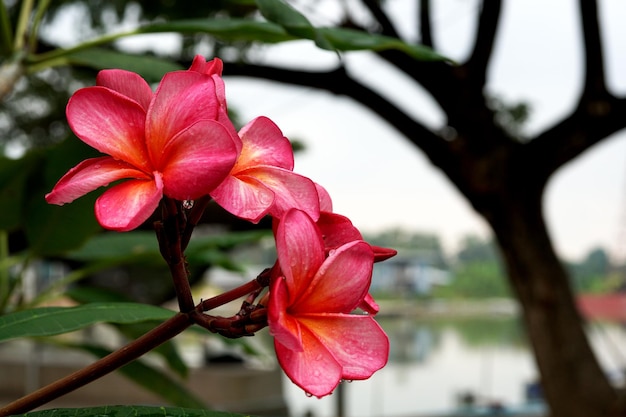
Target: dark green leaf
x,y
168,351
48,321
51,229
354,40
281,13
152,380
149,67
130,411
13,182
338,39
135,245
231,29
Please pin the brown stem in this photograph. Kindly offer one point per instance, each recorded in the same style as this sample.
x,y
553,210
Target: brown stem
x,y
228,296
169,236
193,219
109,363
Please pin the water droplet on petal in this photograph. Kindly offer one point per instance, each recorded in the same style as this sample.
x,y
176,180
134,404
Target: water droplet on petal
x,y
308,394
187,204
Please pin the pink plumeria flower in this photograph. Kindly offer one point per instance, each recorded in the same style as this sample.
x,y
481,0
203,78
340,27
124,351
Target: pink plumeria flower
x,y
262,181
338,230
164,143
214,69
318,341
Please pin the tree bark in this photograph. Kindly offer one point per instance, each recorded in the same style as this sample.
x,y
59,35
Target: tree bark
x,y
573,383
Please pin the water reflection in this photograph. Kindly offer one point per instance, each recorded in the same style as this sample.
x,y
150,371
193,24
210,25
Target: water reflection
x,y
432,365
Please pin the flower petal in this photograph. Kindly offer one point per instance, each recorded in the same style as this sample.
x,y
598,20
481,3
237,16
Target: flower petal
x,y
300,251
182,99
197,160
111,123
358,343
326,203
369,305
89,175
291,190
341,283
313,369
264,144
283,326
127,205
245,197
212,67
128,83
337,230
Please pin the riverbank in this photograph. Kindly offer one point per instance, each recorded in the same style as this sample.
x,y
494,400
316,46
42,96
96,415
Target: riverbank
x,y
492,307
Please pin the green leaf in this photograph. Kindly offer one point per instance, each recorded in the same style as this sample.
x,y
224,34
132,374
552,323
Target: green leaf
x,y
13,182
151,68
152,380
130,411
49,321
342,39
281,13
338,39
167,350
137,246
231,29
51,229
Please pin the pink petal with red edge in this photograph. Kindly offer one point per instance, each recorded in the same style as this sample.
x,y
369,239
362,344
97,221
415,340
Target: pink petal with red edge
x,y
201,65
291,190
341,282
111,123
314,369
326,203
264,144
245,197
300,251
369,305
197,160
182,99
283,327
358,343
89,175
337,229
382,254
129,204
128,83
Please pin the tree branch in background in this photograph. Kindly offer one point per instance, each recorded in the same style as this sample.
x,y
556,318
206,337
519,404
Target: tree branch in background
x,y
426,31
483,44
594,59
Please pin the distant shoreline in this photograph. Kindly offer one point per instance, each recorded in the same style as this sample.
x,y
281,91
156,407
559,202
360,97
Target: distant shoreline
x,y
505,307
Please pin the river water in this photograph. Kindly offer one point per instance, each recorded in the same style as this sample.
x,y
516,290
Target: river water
x,y
435,362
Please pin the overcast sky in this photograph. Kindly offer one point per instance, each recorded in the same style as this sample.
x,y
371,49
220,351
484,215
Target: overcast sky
x,y
379,180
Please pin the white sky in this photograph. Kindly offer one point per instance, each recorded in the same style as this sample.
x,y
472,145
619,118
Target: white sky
x,y
379,180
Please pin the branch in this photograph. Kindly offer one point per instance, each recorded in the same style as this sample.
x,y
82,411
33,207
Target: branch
x,y
598,114
337,81
594,64
425,26
591,122
388,29
483,45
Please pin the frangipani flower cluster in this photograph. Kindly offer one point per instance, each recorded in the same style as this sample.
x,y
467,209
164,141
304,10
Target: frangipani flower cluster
x,y
179,143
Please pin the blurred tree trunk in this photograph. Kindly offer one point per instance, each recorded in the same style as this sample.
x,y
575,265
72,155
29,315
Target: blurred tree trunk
x,y
503,177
